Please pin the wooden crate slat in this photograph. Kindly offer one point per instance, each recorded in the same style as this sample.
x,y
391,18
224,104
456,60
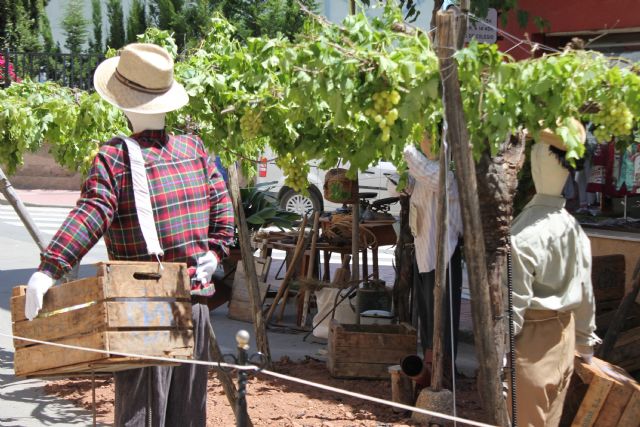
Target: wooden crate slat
x,y
592,402
172,343
148,314
390,356
360,370
40,357
614,406
121,282
62,296
371,341
80,321
631,415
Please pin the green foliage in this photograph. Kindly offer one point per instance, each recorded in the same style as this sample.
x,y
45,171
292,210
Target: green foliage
x,y
137,21
73,122
262,210
74,26
96,18
318,97
115,14
256,18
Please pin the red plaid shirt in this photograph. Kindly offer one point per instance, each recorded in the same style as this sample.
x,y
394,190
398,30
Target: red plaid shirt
x,y
191,206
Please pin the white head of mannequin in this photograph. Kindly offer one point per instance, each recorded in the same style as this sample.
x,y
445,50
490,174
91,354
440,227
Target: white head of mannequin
x,y
549,176
140,122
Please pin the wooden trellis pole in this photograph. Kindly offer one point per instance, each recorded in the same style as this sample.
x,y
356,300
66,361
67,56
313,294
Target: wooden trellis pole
x,y
262,342
451,28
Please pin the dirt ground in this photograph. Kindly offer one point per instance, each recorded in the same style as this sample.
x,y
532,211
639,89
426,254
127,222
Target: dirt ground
x,y
276,402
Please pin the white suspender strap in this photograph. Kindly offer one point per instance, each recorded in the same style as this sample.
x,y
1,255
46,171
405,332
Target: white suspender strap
x,y
143,198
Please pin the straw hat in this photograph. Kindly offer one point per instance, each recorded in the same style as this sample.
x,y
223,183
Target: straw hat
x,y
140,80
550,138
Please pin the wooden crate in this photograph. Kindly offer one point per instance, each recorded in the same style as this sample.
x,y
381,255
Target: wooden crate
x,y
596,398
125,308
367,351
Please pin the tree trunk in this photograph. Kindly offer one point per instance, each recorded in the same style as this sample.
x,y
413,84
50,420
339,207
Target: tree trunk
x,y
497,184
404,265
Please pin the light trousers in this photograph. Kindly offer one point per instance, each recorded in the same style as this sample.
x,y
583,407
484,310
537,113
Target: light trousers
x,y
544,364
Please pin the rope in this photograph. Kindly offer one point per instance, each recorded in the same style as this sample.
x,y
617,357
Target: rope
x,y
266,372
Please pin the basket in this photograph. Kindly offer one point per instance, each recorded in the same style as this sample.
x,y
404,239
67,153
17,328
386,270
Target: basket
x,y
338,188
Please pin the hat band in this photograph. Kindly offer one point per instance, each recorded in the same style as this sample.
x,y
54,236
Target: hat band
x,y
137,87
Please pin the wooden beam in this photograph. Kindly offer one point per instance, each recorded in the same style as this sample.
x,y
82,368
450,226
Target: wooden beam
x,y
250,269
449,34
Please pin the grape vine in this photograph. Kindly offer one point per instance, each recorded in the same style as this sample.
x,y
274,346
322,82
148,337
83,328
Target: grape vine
x,y
357,93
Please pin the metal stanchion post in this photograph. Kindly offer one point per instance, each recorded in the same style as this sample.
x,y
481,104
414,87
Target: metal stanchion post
x,y
242,338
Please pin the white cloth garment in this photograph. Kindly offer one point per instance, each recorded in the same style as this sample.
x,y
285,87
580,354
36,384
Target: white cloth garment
x,y
38,285
424,208
551,258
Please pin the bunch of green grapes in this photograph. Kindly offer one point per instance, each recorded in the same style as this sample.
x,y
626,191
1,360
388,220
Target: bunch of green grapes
x,y
295,170
250,124
384,112
613,119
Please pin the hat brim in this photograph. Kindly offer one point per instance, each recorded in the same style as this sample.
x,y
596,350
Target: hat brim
x,y
128,99
550,138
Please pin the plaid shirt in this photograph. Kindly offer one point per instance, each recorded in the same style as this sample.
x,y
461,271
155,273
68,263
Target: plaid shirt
x,y
191,206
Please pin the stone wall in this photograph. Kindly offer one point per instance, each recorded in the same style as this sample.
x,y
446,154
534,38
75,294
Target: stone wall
x,y
40,171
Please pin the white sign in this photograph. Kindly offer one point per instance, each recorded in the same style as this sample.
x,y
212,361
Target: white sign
x,y
482,32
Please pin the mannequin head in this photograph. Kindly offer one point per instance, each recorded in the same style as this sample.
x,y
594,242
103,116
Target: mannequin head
x,y
139,122
549,176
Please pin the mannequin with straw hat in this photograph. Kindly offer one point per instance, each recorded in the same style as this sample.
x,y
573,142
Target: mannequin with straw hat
x,y
154,196
554,309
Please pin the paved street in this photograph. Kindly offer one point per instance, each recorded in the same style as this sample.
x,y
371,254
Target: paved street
x,y
22,402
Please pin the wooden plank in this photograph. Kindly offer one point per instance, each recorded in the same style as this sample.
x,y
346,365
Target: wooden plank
x,y
172,343
360,370
99,367
631,415
40,357
62,296
134,280
373,341
81,321
148,314
617,400
592,402
391,356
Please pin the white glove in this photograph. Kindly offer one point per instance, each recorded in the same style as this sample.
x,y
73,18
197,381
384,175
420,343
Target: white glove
x,y
38,285
585,352
206,267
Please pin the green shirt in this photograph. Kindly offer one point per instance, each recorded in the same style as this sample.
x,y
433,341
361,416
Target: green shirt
x,y
551,258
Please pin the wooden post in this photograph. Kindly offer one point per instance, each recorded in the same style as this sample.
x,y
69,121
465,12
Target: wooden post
x,y
10,194
404,266
355,251
450,28
262,342
441,272
310,267
295,259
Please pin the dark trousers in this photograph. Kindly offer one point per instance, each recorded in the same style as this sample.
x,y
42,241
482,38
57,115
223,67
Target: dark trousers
x,y
423,286
178,393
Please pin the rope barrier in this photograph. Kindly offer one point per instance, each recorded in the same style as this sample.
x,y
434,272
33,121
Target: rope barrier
x,y
266,372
